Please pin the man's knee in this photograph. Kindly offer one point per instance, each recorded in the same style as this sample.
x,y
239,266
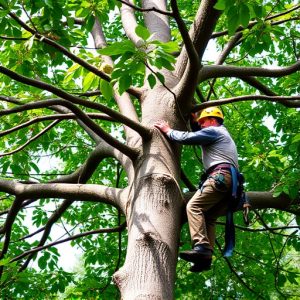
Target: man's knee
x,y
193,208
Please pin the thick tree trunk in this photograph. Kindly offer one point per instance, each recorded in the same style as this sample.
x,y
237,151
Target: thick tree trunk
x,y
153,218
153,233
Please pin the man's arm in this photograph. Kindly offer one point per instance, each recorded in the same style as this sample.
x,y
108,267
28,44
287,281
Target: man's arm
x,y
200,137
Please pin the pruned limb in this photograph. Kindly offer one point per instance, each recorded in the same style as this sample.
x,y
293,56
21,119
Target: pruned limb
x,y
74,99
215,71
288,101
32,139
71,238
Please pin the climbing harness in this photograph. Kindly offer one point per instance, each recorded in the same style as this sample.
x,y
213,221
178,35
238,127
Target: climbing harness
x,y
238,200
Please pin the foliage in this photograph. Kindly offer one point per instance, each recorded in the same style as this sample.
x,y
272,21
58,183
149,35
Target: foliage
x,y
266,262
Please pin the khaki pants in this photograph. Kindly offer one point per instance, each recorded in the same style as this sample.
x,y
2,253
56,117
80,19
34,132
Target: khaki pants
x,y
205,207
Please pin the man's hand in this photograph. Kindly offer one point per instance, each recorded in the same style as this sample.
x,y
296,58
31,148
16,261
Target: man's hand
x,y
162,126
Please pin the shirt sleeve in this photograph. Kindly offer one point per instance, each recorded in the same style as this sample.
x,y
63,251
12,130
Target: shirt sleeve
x,y
201,137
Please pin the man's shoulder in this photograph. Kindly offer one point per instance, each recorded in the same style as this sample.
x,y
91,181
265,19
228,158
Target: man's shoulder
x,y
215,129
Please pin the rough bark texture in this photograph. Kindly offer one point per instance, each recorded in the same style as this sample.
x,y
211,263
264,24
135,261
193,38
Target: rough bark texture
x,y
153,214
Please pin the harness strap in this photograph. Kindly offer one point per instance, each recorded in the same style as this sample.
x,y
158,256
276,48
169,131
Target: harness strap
x,y
229,227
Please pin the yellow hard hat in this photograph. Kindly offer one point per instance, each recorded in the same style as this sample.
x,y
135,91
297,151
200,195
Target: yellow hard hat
x,y
213,111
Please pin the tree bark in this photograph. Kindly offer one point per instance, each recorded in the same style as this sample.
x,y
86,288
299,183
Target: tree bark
x,y
153,217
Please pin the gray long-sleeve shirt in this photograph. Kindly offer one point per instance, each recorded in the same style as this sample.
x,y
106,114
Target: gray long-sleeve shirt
x,y
216,143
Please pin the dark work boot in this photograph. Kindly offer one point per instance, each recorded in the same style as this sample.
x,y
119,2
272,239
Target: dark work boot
x,y
199,252
201,265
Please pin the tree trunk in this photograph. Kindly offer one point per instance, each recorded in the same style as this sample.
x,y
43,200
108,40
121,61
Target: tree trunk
x,y
153,218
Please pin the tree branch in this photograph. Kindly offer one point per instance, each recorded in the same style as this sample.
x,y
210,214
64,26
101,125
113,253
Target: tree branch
x,y
7,227
289,101
261,200
144,132
149,9
71,238
222,57
236,274
129,21
124,102
156,22
258,85
130,152
32,139
191,51
215,71
42,38
68,116
200,33
78,192
253,23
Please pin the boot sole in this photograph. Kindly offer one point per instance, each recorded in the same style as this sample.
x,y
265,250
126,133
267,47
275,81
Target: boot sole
x,y
194,257
201,266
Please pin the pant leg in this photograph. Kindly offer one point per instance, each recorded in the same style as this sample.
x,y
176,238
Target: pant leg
x,y
204,208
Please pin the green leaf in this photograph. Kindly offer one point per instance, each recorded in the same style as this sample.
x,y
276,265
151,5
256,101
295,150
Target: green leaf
x,y
35,167
258,9
118,48
281,279
220,5
165,63
233,20
5,261
49,3
106,89
152,80
160,77
42,262
88,80
124,83
142,32
89,23
244,15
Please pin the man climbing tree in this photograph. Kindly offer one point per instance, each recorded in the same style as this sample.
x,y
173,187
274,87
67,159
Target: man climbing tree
x,y
82,83
212,199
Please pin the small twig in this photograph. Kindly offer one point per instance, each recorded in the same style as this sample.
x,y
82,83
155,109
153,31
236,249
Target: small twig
x,y
31,139
55,117
237,275
284,100
167,13
29,17
71,238
251,24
